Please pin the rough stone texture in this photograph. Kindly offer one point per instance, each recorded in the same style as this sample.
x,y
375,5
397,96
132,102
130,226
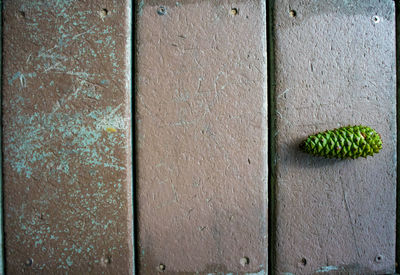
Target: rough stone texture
x,y
335,66
201,121
67,152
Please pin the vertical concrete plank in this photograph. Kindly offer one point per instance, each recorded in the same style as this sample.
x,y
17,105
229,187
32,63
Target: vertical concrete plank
x,y
201,136
335,66
67,148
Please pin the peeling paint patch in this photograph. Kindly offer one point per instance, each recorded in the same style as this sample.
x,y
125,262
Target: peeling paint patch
x,y
31,146
327,269
21,77
104,82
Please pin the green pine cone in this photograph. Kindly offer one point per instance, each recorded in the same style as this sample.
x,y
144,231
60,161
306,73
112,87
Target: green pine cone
x,y
343,143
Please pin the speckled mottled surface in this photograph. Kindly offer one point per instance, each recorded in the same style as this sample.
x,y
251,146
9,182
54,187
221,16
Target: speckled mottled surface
x,y
67,151
335,66
202,148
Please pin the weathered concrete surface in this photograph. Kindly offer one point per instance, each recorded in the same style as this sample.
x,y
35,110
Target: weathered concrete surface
x,y
335,66
201,136
66,115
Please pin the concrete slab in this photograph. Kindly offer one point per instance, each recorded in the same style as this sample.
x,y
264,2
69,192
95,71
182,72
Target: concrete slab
x,y
201,136
67,149
335,66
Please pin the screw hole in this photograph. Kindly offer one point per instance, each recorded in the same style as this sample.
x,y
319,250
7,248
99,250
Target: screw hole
x,y
248,160
106,260
161,10
378,258
292,13
244,261
161,267
22,14
29,262
376,19
102,13
304,261
234,11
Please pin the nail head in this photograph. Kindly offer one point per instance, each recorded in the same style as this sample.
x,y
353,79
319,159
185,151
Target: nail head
x,y
244,261
233,11
161,267
378,258
304,261
376,19
161,10
29,262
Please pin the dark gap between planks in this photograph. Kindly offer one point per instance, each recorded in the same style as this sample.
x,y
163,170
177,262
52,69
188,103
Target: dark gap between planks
x,y
271,138
397,20
134,80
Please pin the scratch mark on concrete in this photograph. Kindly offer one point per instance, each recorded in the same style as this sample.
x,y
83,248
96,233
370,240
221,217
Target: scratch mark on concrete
x,y
83,33
175,194
284,93
54,66
350,219
28,59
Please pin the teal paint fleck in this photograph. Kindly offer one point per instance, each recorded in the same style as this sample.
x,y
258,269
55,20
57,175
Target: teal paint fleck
x,y
63,41
38,242
140,8
327,269
94,54
16,76
52,83
69,261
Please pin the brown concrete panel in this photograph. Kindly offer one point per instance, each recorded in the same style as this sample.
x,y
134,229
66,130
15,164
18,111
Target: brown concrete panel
x,y
335,66
201,136
66,115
